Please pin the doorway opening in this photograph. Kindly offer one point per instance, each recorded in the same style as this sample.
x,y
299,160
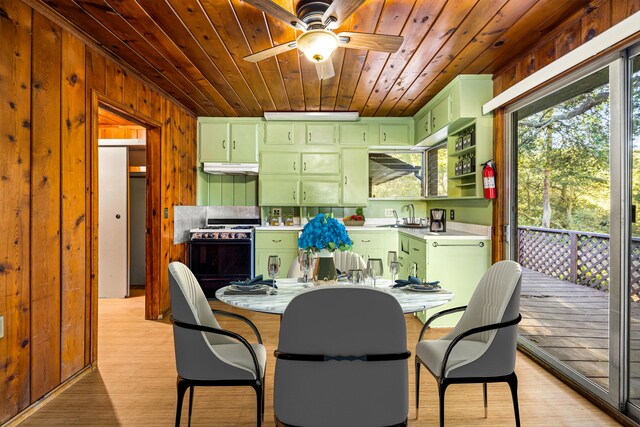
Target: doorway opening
x,y
122,164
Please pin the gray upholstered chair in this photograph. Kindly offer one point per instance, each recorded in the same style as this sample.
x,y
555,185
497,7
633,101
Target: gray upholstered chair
x,y
482,346
342,360
206,354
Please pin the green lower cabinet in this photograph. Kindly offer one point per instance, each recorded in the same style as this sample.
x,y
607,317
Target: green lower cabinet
x,y
262,261
458,265
279,192
320,193
284,244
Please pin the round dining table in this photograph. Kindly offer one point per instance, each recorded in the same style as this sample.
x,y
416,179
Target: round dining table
x,y
410,301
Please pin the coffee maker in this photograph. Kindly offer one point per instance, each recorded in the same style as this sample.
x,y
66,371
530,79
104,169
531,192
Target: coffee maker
x,y
438,220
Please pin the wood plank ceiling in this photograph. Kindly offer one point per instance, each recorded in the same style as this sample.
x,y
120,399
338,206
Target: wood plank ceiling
x,y
193,49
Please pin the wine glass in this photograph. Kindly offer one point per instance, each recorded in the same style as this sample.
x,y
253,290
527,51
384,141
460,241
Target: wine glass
x,y
376,269
274,269
394,267
392,256
305,265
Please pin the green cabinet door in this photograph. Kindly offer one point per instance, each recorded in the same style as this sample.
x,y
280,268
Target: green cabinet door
x,y
279,133
279,163
441,114
355,176
321,133
423,126
286,257
214,142
354,134
321,164
244,142
320,193
395,134
278,192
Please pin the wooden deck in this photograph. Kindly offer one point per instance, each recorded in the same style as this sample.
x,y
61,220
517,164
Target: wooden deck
x,y
571,322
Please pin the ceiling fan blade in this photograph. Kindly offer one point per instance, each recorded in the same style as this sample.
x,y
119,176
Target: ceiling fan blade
x,y
379,42
278,12
341,10
325,69
272,51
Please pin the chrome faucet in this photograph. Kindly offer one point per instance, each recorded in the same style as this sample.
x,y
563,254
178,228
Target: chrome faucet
x,y
412,213
395,214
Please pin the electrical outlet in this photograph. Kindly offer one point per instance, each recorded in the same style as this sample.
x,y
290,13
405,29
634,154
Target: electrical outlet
x,y
277,211
388,212
1,326
452,215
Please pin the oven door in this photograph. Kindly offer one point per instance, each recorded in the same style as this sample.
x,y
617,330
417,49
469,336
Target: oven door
x,y
215,263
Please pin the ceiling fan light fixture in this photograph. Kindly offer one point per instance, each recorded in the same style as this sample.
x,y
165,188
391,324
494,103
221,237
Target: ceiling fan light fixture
x,y
317,45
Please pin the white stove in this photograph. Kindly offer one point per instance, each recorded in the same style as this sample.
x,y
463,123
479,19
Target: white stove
x,y
228,229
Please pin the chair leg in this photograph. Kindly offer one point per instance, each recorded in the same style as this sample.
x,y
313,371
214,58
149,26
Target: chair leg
x,y
442,387
191,390
417,387
182,387
513,385
263,393
484,393
259,392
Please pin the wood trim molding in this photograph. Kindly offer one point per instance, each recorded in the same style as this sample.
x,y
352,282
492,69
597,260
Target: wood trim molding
x,y
58,19
497,235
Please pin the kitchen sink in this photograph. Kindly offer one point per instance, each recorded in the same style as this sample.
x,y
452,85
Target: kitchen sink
x,y
408,226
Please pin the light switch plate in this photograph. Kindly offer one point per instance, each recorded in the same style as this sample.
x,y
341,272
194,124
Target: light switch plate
x,y
277,212
388,212
1,326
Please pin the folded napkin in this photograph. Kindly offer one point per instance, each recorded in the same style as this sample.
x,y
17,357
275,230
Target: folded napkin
x,y
414,281
256,281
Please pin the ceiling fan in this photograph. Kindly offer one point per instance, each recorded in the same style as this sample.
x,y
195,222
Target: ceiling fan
x,y
316,19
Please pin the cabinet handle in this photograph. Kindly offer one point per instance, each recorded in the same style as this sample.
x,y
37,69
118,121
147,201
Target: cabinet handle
x,y
279,262
345,180
304,166
294,194
426,125
364,136
223,144
433,121
276,240
234,144
294,166
384,134
365,241
417,250
289,135
304,197
309,136
479,244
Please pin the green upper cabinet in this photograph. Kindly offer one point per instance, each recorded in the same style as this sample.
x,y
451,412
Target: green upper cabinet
x,y
320,193
396,133
441,113
279,163
355,134
454,106
355,176
279,133
423,125
279,191
244,142
321,164
213,139
321,133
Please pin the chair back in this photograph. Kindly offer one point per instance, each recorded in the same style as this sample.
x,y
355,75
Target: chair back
x,y
495,300
195,354
347,260
342,321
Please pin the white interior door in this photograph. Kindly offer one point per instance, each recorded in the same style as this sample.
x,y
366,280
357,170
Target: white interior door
x,y
113,219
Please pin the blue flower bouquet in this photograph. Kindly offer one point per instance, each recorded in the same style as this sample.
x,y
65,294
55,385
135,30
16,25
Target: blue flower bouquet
x,y
324,234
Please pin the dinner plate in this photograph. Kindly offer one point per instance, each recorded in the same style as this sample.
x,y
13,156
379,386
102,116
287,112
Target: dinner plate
x,y
251,288
422,289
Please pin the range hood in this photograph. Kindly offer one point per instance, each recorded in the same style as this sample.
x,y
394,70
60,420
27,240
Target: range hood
x,y
230,168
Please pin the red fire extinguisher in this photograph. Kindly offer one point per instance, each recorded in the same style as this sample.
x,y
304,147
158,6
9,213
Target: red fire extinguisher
x,y
489,179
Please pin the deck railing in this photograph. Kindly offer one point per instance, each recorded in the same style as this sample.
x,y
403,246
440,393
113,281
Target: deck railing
x,y
575,256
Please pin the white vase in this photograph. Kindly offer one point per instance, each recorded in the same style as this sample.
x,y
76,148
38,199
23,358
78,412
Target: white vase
x,y
325,272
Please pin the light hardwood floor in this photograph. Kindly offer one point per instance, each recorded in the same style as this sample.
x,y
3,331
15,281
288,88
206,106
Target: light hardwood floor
x,y
134,384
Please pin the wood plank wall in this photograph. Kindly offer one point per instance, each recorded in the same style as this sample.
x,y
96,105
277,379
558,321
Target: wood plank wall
x,y
576,30
48,256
